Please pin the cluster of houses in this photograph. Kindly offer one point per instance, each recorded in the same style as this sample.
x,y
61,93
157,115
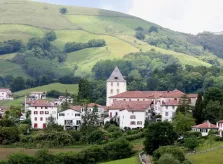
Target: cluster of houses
x,y
130,109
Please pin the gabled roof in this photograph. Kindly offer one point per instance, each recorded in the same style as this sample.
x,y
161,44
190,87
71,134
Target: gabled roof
x,y
116,76
130,105
205,125
5,90
41,103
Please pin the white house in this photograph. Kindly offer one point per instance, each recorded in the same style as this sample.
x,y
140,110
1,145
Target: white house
x,y
41,112
168,110
204,128
63,99
115,84
5,94
130,114
37,96
69,119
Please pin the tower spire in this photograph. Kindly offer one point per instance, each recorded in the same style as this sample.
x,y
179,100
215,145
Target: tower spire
x,y
116,76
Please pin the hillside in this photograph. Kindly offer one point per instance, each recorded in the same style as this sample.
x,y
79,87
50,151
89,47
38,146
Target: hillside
x,y
24,19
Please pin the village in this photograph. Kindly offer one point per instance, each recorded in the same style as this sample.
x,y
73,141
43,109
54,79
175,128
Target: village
x,y
130,109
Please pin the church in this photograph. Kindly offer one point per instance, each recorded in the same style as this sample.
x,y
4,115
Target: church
x,y
131,108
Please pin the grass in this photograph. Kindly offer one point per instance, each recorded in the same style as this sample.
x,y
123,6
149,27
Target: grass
x,y
211,157
5,152
71,88
7,56
9,68
132,160
206,146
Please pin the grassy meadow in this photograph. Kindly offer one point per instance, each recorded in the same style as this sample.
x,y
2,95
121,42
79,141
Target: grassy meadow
x,y
132,160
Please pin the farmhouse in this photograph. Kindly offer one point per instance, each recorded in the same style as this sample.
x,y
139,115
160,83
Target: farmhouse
x,y
69,119
37,96
204,128
42,112
5,94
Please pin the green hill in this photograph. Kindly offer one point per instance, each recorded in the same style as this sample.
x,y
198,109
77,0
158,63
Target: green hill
x,y
24,19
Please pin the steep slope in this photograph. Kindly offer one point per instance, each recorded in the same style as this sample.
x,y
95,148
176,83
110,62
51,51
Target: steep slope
x,y
23,19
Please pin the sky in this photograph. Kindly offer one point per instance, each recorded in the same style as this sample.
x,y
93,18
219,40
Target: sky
x,y
190,16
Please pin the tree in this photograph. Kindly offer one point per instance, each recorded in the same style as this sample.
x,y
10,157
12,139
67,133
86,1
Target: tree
x,y
175,151
159,134
18,84
214,94
153,29
96,137
167,159
211,137
191,143
139,35
182,123
63,10
198,110
184,106
213,111
89,120
51,36
84,90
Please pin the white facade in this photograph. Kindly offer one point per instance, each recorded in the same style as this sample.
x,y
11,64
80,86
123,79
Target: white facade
x,y
37,96
40,115
115,84
220,127
132,119
168,112
69,119
5,94
204,128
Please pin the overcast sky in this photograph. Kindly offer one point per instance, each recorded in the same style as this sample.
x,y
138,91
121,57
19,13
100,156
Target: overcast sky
x,y
190,16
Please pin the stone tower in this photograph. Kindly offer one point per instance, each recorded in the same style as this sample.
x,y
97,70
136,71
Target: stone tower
x,y
115,84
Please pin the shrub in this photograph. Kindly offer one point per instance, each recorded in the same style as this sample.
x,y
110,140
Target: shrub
x,y
51,36
153,29
96,137
173,150
23,128
191,143
193,134
139,35
63,10
112,128
135,136
9,134
167,159
21,159
75,134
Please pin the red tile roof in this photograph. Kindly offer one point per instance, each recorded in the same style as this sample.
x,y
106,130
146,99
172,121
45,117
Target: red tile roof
x,y
150,94
5,90
220,121
205,125
130,105
41,103
192,95
76,108
172,103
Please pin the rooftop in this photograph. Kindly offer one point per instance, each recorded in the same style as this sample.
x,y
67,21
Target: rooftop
x,y
205,125
116,76
41,103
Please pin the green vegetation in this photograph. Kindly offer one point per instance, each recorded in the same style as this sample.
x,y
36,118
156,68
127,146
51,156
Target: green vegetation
x,y
208,157
71,88
132,160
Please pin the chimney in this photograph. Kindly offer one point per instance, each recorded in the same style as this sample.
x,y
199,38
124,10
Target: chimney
x,y
209,125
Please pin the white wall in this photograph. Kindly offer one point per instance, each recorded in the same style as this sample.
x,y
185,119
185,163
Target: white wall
x,y
168,112
50,111
125,119
69,115
114,88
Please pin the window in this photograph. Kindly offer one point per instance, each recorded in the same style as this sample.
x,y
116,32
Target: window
x,y
77,115
46,112
166,113
116,78
35,107
41,118
124,99
166,107
44,126
46,107
41,107
116,113
132,117
111,83
137,99
41,112
130,99
35,112
61,114
118,91
139,122
132,123
118,84
35,118
78,122
111,91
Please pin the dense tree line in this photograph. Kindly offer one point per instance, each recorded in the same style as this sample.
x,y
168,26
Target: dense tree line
x,y
10,46
73,46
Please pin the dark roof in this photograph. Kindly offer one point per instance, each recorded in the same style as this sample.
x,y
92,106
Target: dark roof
x,y
116,76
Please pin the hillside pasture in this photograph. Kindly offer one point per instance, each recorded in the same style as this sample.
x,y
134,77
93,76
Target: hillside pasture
x,y
7,56
71,88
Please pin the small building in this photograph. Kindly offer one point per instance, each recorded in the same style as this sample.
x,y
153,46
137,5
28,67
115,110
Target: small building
x,y
37,96
204,128
130,114
5,94
42,112
63,99
69,119
168,110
